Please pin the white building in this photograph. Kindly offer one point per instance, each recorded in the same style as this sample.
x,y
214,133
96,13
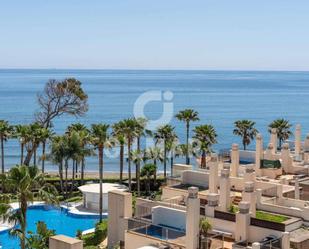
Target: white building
x,y
91,194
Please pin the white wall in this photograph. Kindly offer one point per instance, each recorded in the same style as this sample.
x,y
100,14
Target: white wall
x,y
223,225
196,178
256,234
133,241
179,168
93,199
287,206
169,217
170,192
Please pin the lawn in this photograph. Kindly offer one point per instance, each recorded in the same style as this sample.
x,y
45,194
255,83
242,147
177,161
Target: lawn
x,y
271,217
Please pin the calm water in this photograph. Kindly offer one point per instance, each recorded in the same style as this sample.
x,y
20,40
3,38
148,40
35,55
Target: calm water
x,y
55,220
220,97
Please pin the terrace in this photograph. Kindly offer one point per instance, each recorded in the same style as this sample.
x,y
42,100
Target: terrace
x,y
158,233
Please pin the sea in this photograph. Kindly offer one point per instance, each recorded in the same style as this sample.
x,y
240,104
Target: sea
x,y
220,97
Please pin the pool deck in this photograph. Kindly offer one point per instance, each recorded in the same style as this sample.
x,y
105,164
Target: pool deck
x,y
78,210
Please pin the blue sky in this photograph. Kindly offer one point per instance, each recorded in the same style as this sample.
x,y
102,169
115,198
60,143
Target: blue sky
x,y
157,34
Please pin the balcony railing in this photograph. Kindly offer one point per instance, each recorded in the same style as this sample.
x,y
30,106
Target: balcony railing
x,y
268,224
157,232
225,216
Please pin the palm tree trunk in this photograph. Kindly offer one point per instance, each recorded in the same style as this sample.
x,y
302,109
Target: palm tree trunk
x,y
187,141
2,155
164,160
43,156
73,175
138,166
172,163
244,140
23,221
155,173
83,171
66,178
148,183
21,153
121,162
138,179
203,160
61,177
76,169
101,181
129,164
28,157
34,156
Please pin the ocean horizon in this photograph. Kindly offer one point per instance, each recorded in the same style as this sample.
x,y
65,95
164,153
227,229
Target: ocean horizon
x,y
220,97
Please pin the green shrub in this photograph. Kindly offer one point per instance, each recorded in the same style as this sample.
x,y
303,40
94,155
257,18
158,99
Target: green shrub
x,y
233,209
270,217
79,234
74,199
60,198
98,236
90,247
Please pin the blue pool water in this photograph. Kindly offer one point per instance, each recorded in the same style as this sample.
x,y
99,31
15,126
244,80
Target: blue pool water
x,y
56,219
161,232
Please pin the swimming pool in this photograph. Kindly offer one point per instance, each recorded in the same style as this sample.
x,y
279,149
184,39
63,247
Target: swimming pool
x,y
160,232
55,218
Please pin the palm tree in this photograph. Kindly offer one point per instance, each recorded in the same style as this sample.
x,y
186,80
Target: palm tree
x,y
164,134
24,181
246,130
45,135
140,131
121,140
156,155
148,171
283,127
172,146
205,226
100,139
33,139
205,136
187,116
5,206
70,148
6,131
129,131
58,154
137,157
181,150
40,239
21,133
85,139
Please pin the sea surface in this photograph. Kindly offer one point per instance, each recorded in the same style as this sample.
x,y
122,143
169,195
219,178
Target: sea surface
x,y
220,97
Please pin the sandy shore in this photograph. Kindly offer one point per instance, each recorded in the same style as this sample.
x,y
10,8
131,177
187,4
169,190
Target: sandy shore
x,y
92,174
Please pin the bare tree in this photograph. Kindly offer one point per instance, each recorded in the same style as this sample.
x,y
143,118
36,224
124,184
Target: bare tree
x,y
57,99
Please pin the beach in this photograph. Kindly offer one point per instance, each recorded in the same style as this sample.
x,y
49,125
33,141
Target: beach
x,y
93,174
